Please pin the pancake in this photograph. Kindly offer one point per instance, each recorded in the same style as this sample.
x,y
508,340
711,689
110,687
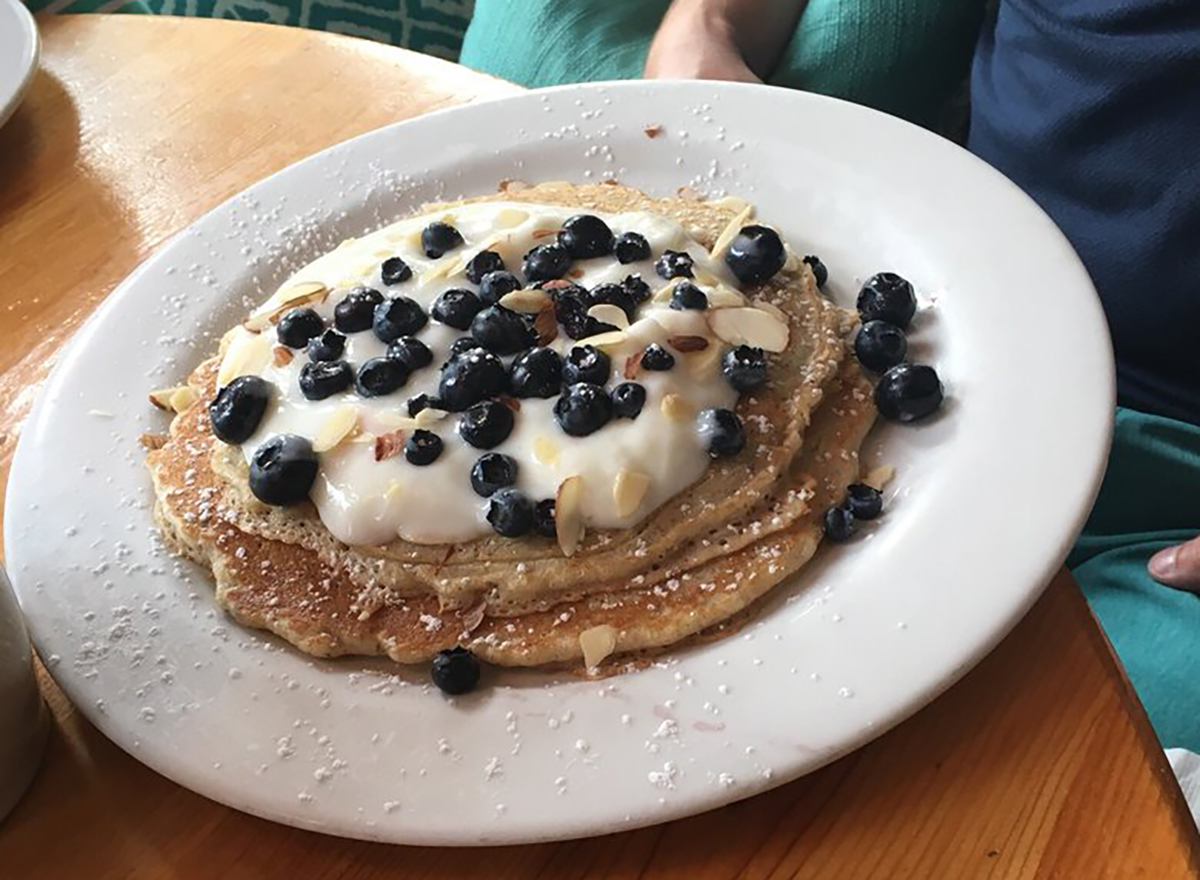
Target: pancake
x,y
694,560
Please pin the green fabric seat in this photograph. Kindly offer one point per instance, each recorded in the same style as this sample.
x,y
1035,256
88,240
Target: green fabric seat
x,y
906,57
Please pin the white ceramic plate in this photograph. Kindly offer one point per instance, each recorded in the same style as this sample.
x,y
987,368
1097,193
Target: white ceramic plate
x,y
988,497
19,48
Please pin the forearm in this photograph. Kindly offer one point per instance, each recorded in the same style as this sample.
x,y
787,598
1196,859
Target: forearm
x,y
756,30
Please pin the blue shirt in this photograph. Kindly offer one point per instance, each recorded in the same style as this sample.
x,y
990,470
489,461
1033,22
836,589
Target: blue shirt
x,y
1093,108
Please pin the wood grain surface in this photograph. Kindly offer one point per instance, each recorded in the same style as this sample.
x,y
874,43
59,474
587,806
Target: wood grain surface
x,y
1039,764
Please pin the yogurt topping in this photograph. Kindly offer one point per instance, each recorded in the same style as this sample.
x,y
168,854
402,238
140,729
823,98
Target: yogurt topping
x,y
365,501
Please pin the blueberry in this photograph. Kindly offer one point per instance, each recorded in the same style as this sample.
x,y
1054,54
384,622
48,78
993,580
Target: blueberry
x,y
321,379
674,264
380,376
486,424
586,364
543,518
657,358
356,310
628,399
298,326
722,430
282,470
482,264
455,671
546,262
399,316
570,308
880,345
238,408
495,284
583,409
615,294
438,237
471,377
395,271
865,502
510,512
744,367
413,353
422,447
688,296
502,330
456,307
492,472
908,392
755,254
329,346
537,373
421,401
887,297
839,524
586,235
631,247
461,346
637,288
820,273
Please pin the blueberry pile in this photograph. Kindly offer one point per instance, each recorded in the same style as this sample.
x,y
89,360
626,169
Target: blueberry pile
x,y
497,361
862,502
905,392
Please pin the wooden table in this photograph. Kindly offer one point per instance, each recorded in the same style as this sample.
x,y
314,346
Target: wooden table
x,y
1040,763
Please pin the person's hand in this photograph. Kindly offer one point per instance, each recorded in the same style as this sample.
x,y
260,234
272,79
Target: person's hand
x,y
688,46
1178,566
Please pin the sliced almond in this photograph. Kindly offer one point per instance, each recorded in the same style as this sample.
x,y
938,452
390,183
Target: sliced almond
x,y
629,490
607,313
246,354
880,476
729,233
360,436
161,397
724,297
153,441
610,339
545,450
677,408
389,445
301,293
633,365
281,355
507,218
771,308
687,344
568,514
393,421
438,270
528,302
749,326
183,398
546,324
335,429
597,644
652,131
544,233
429,416
508,184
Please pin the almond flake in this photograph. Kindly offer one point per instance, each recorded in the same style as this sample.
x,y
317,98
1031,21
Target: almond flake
x,y
652,131
568,514
543,233
438,270
771,308
247,353
597,644
431,415
687,343
629,490
545,450
677,408
611,339
607,313
162,397
730,232
153,441
724,297
880,476
183,398
508,184
749,326
301,293
335,429
388,445
633,364
546,324
281,355
529,301
508,218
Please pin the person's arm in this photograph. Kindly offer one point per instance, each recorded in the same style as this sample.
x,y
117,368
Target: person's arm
x,y
1178,566
722,39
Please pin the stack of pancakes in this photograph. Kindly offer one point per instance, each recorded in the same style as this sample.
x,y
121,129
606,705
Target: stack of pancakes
x,y
692,564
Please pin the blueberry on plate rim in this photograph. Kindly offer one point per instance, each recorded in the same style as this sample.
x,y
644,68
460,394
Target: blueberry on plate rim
x,y
838,523
865,502
455,671
879,345
908,392
887,297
